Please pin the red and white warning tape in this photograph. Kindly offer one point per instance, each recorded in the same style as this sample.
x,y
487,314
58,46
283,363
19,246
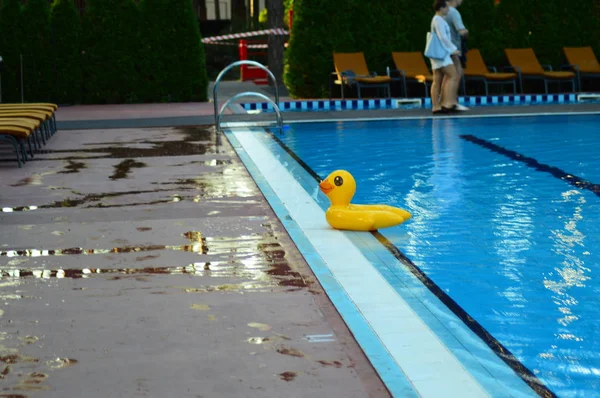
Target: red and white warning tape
x,y
217,39
222,43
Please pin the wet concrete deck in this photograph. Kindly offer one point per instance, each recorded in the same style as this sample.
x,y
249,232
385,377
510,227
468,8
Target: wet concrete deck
x,y
146,262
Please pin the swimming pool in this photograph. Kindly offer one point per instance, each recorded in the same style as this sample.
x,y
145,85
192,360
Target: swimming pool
x,y
504,226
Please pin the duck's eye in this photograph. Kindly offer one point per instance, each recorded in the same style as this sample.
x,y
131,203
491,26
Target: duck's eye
x,y
338,181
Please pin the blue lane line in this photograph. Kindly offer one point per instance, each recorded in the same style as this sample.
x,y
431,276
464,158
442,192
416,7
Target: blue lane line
x,y
390,373
577,182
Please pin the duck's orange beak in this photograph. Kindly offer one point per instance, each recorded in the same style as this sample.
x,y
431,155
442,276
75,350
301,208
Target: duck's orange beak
x,y
326,187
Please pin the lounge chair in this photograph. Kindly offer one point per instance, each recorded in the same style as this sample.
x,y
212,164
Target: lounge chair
x,y
411,67
29,124
477,70
527,66
583,61
351,70
17,132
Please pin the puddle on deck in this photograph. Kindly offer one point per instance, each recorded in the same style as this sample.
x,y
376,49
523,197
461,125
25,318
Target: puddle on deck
x,y
196,140
260,258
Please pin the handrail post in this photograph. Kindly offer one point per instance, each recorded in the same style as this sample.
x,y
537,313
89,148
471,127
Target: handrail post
x,y
246,62
250,94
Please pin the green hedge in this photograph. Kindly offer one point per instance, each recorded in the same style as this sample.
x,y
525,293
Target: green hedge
x,y
123,53
111,41
37,53
480,18
10,49
173,52
322,28
308,56
382,26
65,25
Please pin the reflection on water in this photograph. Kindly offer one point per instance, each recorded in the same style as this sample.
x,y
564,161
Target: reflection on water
x,y
207,269
78,250
191,269
569,244
260,258
196,141
94,197
226,184
198,240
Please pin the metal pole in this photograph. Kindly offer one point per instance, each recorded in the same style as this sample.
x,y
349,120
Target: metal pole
x,y
22,94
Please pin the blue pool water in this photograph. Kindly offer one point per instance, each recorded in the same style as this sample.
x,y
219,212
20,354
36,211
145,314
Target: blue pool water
x,y
505,222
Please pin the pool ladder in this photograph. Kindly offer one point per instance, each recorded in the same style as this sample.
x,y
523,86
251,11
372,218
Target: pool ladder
x,y
274,104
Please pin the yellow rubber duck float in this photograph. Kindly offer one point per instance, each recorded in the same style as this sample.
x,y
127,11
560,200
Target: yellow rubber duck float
x,y
340,187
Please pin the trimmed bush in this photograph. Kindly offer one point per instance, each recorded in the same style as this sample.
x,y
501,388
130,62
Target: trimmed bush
x,y
309,53
173,56
581,24
37,59
415,20
10,49
479,17
65,24
110,46
322,28
548,26
514,19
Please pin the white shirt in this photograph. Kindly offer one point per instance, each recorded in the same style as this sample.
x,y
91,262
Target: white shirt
x,y
442,29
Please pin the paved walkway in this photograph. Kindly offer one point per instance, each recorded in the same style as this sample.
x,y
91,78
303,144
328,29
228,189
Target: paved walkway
x,y
146,262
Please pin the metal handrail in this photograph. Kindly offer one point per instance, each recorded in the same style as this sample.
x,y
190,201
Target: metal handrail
x,y
249,94
237,63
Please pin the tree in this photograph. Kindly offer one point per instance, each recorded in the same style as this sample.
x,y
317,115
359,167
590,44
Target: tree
x,y
309,53
110,44
480,17
65,25
37,59
276,42
321,28
174,60
10,48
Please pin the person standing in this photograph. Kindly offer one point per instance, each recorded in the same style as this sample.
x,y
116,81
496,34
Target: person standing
x,y
445,82
459,34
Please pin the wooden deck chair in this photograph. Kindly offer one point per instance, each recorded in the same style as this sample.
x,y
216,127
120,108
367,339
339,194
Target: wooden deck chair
x,y
477,70
527,66
583,61
412,68
351,70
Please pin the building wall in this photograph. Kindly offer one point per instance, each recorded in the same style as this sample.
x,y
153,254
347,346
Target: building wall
x,y
225,8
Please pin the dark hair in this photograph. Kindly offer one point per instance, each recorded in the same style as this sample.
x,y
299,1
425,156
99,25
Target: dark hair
x,y
438,4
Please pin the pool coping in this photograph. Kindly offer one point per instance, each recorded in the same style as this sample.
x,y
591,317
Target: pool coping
x,y
376,343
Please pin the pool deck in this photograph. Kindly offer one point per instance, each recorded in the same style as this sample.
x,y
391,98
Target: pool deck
x,y
177,278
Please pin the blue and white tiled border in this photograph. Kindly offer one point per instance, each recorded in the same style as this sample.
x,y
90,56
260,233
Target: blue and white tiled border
x,y
396,103
323,105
